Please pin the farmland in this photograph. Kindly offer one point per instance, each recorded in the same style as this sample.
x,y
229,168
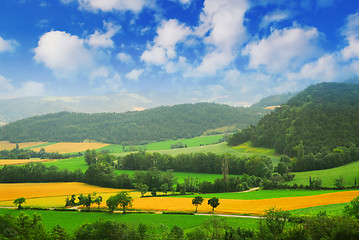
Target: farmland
x,y
5,145
70,147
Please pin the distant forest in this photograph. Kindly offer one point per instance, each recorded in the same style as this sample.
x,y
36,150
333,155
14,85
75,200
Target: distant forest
x,y
320,119
162,123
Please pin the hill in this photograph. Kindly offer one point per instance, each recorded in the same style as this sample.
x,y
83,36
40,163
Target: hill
x,y
179,121
321,118
274,100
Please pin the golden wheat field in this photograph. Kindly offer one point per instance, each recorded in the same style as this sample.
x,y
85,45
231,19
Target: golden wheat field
x,y
244,206
21,161
5,145
11,191
71,147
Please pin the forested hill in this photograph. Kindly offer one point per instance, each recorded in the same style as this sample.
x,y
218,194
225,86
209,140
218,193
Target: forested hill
x,y
179,121
323,117
274,100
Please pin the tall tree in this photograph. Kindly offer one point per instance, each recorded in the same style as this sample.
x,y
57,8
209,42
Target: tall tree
x,y
213,202
198,200
19,201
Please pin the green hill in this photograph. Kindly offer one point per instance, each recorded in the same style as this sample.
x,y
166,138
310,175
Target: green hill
x,y
162,123
316,121
274,100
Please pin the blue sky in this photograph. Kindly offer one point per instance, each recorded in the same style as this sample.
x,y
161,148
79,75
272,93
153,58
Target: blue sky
x,y
228,51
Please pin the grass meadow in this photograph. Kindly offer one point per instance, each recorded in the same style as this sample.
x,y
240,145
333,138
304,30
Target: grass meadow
x,y
72,220
349,172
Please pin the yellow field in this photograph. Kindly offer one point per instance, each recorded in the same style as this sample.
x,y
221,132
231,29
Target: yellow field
x,y
11,191
71,147
5,145
21,161
244,206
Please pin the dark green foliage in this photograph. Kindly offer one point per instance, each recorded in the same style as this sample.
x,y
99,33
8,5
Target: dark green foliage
x,y
198,200
353,208
17,153
19,201
123,199
213,202
310,126
274,100
180,121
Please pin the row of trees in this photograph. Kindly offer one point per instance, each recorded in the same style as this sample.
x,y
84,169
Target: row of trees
x,y
260,166
18,153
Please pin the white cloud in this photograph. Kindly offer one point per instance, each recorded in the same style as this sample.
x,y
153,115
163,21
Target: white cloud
x,y
112,5
27,89
66,1
275,16
169,34
99,39
284,49
351,32
7,45
124,57
63,53
223,31
134,74
155,56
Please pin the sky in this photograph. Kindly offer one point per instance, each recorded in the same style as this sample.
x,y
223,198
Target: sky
x,y
175,51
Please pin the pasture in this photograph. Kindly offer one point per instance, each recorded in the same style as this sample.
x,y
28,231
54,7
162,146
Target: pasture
x,y
348,172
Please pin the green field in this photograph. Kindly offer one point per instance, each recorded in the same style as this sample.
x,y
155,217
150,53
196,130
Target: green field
x,y
263,194
166,145
72,220
349,172
333,209
71,163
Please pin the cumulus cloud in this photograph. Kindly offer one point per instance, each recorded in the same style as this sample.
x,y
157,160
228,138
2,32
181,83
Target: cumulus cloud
x,y
112,5
351,33
169,34
284,49
63,53
8,45
134,74
221,26
27,89
124,57
100,39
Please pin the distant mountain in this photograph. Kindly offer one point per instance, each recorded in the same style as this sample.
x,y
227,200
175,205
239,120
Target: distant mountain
x,y
20,108
274,100
179,121
323,116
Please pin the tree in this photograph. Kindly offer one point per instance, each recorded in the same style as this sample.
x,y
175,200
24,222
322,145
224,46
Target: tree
x,y
125,200
164,188
19,201
142,188
85,201
213,202
112,202
353,208
275,220
198,200
98,201
339,182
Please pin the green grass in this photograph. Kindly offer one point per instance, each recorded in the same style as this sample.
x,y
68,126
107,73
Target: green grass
x,y
263,194
41,145
348,172
72,220
71,163
333,209
166,145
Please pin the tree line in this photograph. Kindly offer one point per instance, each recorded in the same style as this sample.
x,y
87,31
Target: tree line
x,y
18,153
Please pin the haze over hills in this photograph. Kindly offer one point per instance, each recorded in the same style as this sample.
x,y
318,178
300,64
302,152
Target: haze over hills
x,y
21,108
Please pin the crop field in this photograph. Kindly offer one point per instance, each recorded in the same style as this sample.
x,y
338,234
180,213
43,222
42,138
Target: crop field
x,y
71,164
5,145
245,206
328,175
333,209
21,161
11,191
71,147
72,220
